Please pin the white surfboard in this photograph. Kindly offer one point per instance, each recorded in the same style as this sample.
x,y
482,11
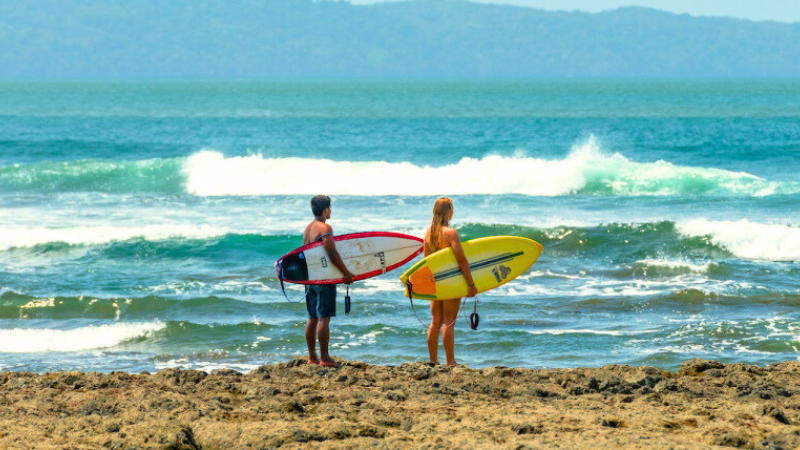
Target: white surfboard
x,y
365,254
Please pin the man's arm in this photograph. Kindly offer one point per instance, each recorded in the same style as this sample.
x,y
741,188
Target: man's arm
x,y
336,259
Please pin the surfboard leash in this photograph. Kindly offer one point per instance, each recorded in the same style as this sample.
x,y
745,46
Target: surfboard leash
x,y
347,302
287,298
474,318
283,289
409,292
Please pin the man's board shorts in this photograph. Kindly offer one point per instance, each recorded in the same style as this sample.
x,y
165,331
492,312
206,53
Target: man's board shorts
x,y
321,300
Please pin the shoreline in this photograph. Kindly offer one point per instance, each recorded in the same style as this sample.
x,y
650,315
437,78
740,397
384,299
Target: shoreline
x,y
704,404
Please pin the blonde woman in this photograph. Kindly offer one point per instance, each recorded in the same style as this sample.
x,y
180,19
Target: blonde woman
x,y
444,312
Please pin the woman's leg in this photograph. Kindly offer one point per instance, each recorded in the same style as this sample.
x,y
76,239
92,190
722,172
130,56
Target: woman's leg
x,y
449,315
433,330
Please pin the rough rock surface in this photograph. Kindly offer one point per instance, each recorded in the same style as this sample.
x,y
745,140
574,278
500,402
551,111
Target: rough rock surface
x,y
292,405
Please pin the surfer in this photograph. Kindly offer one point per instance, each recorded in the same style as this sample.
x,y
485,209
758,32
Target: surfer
x,y
444,312
321,298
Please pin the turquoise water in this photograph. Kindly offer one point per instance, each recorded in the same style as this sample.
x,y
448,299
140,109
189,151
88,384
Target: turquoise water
x,y
139,221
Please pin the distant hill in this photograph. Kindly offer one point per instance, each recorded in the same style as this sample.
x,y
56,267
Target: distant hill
x,y
133,39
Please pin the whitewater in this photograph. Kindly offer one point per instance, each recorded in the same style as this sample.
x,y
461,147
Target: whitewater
x,y
586,170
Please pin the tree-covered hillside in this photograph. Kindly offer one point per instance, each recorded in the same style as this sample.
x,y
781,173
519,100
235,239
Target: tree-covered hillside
x,y
110,39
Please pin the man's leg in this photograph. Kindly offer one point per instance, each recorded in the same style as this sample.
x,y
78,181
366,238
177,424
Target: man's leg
x,y
311,341
324,335
312,299
327,309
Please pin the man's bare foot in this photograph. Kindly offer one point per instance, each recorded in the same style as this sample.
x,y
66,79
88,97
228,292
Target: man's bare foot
x,y
453,363
313,361
328,363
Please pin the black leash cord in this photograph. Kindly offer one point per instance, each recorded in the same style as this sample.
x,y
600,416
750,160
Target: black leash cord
x,y
409,292
347,302
283,288
474,318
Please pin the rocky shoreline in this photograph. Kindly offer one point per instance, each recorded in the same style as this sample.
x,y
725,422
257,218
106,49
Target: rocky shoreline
x,y
293,405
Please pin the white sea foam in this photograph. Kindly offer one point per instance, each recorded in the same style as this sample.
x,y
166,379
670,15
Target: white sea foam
x,y
369,338
195,287
557,332
205,366
355,341
94,235
613,288
676,264
747,239
586,168
377,285
739,348
33,340
635,288
210,173
517,289
547,274
686,349
242,286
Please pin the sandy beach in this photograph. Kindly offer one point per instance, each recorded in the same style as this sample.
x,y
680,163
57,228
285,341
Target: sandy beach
x,y
293,405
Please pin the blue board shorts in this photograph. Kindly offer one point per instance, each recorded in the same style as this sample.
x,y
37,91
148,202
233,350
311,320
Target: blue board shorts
x,y
321,301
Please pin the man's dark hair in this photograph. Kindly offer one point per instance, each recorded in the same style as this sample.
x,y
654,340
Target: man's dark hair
x,y
319,203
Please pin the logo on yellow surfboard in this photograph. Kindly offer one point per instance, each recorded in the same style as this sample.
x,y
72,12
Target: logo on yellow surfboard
x,y
501,272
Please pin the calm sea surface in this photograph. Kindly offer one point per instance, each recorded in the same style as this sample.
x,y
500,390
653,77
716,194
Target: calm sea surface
x,y
139,222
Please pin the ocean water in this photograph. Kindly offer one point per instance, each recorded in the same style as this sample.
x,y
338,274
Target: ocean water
x,y
139,222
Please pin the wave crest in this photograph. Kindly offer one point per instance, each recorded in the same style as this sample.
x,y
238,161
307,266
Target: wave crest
x,y
585,171
749,240
95,235
34,340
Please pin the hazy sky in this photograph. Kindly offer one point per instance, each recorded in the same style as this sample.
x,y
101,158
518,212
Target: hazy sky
x,y
780,10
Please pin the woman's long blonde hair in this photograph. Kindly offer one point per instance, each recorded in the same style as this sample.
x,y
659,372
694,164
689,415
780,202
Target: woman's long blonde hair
x,y
442,212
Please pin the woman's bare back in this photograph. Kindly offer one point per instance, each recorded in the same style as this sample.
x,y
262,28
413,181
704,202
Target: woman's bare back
x,y
444,240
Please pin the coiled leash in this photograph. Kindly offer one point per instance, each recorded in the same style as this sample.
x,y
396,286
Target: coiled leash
x,y
347,302
474,319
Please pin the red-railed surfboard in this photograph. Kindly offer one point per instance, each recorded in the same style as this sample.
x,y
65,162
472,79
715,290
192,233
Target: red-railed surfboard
x,y
365,254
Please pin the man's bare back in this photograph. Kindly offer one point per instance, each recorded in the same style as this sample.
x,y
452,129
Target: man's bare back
x,y
315,230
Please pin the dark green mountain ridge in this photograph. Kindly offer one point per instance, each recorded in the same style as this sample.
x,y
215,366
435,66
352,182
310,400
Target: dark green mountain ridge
x,y
216,39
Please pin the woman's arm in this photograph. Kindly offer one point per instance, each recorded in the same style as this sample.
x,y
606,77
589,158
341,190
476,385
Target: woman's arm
x,y
455,242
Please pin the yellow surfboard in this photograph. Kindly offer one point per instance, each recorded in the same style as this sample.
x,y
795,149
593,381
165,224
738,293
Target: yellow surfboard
x,y
494,261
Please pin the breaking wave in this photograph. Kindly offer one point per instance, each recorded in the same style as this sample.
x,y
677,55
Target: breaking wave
x,y
34,340
750,240
586,170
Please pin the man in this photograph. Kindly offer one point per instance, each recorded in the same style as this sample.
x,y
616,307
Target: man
x,y
321,299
